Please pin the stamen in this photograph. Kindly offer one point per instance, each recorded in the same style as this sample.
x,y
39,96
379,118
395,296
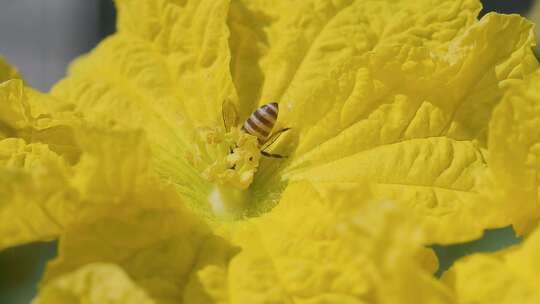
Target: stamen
x,y
228,159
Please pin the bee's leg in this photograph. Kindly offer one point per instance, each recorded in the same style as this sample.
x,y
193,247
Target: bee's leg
x,y
273,138
272,155
231,149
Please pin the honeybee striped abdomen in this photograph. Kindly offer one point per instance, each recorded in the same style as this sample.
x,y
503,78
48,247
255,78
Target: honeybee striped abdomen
x,y
261,122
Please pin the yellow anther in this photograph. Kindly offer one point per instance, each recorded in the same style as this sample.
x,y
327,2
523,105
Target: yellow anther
x,y
225,158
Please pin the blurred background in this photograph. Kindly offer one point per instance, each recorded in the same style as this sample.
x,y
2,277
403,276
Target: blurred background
x,y
41,37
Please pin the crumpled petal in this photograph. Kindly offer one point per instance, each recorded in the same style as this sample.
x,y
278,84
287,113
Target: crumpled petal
x,y
127,216
322,244
42,193
151,236
166,71
514,154
37,118
7,71
37,149
93,284
35,197
507,277
407,107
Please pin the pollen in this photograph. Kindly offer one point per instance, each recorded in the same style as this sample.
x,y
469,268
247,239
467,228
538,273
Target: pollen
x,y
225,158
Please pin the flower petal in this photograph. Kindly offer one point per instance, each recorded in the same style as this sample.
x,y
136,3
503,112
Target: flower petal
x,y
93,284
37,149
38,118
439,178
507,277
324,244
14,111
130,218
514,153
165,71
42,194
419,93
151,236
34,194
113,166
7,71
353,78
45,189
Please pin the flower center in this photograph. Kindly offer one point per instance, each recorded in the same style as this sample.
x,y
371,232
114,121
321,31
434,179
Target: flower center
x,y
227,159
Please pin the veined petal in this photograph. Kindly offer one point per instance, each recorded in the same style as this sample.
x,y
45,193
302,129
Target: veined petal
x,y
382,76
439,178
300,38
93,284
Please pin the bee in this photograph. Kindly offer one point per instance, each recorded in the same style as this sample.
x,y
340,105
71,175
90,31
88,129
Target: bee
x,y
259,124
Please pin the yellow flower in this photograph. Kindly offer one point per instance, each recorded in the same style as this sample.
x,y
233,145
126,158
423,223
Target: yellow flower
x,y
127,159
397,92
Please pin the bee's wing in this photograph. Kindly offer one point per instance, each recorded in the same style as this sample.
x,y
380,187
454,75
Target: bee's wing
x,y
230,114
272,139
